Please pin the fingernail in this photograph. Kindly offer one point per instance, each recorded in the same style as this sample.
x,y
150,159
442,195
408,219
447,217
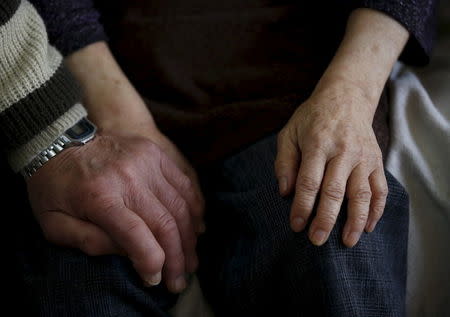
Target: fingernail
x,y
352,238
318,238
154,280
298,224
283,185
180,284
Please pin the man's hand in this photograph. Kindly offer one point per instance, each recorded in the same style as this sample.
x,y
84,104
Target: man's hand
x,y
123,195
339,155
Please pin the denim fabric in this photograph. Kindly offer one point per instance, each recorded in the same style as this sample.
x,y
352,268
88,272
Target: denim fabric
x,y
252,264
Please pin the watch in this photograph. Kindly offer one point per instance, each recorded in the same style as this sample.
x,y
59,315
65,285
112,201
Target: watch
x,y
80,134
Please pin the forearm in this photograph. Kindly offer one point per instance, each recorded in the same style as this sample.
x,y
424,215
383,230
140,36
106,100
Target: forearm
x,y
371,45
112,102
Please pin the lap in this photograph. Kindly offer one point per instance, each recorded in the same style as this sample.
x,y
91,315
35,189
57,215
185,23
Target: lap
x,y
253,264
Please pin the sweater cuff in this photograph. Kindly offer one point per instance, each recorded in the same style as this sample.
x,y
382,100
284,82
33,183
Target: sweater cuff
x,y
419,18
22,156
37,92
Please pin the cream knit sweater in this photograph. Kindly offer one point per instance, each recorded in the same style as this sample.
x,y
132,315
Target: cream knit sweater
x,y
39,99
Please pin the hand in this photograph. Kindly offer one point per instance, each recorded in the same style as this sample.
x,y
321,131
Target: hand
x,y
121,194
331,134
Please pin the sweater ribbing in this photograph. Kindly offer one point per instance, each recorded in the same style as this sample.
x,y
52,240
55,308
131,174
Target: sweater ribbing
x,y
37,93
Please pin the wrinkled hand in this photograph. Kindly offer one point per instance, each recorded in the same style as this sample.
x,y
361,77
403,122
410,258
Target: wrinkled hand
x,y
123,195
331,137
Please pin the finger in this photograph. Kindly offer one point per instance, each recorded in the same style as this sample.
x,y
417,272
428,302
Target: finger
x,y
379,189
309,178
180,210
165,228
190,172
286,162
188,189
132,234
359,197
331,197
65,230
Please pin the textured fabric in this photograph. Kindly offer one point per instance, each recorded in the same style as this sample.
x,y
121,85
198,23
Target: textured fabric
x,y
37,93
7,9
25,153
71,24
27,60
418,17
218,75
57,95
251,263
75,24
419,158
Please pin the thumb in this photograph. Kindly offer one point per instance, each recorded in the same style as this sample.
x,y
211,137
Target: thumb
x,y
68,231
286,162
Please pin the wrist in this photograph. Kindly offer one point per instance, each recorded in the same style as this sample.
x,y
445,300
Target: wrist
x,y
78,135
344,92
113,103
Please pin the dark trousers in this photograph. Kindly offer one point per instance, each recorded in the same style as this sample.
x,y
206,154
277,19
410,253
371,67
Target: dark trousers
x,y
251,263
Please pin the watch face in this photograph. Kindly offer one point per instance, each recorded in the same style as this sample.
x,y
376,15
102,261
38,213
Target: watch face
x,y
81,130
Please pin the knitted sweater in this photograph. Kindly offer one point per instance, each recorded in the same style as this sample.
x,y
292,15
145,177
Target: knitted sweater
x,y
38,97
218,75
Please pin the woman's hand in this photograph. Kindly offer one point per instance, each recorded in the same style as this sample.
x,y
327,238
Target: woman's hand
x,y
328,150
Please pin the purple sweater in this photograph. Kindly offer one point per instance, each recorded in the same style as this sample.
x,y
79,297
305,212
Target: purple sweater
x,y
217,74
73,24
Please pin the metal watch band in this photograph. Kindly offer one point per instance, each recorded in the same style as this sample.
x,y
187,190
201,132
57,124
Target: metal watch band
x,y
56,147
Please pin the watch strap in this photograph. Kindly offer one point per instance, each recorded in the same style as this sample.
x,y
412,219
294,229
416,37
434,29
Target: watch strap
x,y
56,147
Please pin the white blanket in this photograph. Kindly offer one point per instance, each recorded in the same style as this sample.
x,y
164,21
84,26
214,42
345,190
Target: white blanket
x,y
419,158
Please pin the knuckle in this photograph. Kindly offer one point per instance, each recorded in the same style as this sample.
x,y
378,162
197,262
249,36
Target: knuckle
x,y
362,195
303,207
179,206
316,137
281,163
316,148
360,218
326,220
334,190
378,210
282,135
308,184
132,226
381,193
349,149
186,182
377,158
167,223
127,170
102,206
